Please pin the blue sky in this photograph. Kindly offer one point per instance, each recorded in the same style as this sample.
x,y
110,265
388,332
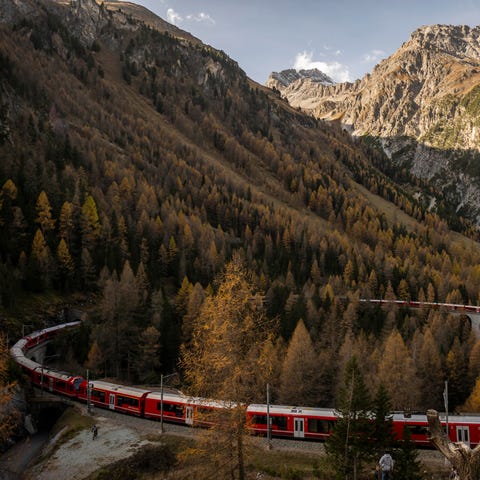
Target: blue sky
x,y
343,38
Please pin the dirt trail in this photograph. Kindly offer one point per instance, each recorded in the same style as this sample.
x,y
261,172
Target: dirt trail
x,y
79,456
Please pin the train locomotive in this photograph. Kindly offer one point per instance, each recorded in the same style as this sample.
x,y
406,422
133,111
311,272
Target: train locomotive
x,y
285,421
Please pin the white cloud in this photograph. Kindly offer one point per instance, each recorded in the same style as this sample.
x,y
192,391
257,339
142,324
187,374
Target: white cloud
x,y
174,17
373,56
335,70
201,17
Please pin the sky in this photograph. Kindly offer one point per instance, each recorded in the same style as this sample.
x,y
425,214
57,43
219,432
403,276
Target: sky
x,y
343,38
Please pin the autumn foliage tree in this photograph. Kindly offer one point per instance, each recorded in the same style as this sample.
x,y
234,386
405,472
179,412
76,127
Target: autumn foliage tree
x,y
300,377
222,362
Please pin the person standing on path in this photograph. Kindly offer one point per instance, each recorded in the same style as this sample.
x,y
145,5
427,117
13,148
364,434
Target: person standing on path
x,y
386,466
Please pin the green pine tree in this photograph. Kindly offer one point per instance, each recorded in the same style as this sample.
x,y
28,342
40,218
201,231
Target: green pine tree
x,y
383,436
349,446
407,465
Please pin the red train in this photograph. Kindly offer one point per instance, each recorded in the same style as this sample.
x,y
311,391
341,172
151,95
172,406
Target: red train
x,y
289,422
451,307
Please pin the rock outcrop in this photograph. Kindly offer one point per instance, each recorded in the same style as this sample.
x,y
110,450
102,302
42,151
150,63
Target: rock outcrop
x,y
422,103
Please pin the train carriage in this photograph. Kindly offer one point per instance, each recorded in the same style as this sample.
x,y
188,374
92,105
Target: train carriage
x,y
297,422
175,408
464,428
41,336
57,382
115,397
178,408
417,425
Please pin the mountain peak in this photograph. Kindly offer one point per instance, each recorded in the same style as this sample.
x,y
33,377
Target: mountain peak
x,y
456,40
287,77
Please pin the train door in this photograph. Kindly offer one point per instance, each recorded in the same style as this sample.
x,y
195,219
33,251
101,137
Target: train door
x,y
111,403
298,427
50,384
463,434
189,415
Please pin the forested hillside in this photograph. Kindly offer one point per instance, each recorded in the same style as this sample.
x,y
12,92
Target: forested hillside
x,y
134,163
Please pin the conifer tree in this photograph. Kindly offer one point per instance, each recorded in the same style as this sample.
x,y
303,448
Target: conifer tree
x,y
349,446
300,379
66,222
90,223
148,355
219,364
65,263
407,465
44,213
383,436
398,373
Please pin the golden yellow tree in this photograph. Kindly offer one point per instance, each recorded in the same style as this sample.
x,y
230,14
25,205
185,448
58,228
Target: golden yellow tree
x,y
472,404
398,373
300,378
44,213
220,364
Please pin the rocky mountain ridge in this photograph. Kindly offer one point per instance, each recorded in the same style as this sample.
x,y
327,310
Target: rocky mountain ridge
x,y
421,105
287,77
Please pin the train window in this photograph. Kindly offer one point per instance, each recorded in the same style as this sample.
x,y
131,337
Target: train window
x,y
170,408
98,396
61,384
319,426
260,419
280,422
126,401
418,429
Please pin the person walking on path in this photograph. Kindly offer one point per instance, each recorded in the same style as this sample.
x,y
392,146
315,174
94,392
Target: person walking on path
x,y
386,466
94,432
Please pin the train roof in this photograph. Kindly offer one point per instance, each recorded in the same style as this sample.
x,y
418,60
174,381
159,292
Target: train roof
x,y
198,401
60,326
469,418
122,389
55,373
24,361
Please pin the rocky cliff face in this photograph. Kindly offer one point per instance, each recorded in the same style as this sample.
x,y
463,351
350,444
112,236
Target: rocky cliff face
x,y
422,103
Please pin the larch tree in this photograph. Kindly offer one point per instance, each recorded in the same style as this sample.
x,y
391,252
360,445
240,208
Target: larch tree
x,y
472,404
456,366
194,303
90,223
300,378
398,373
44,213
429,368
66,222
95,361
40,264
65,263
148,355
219,364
